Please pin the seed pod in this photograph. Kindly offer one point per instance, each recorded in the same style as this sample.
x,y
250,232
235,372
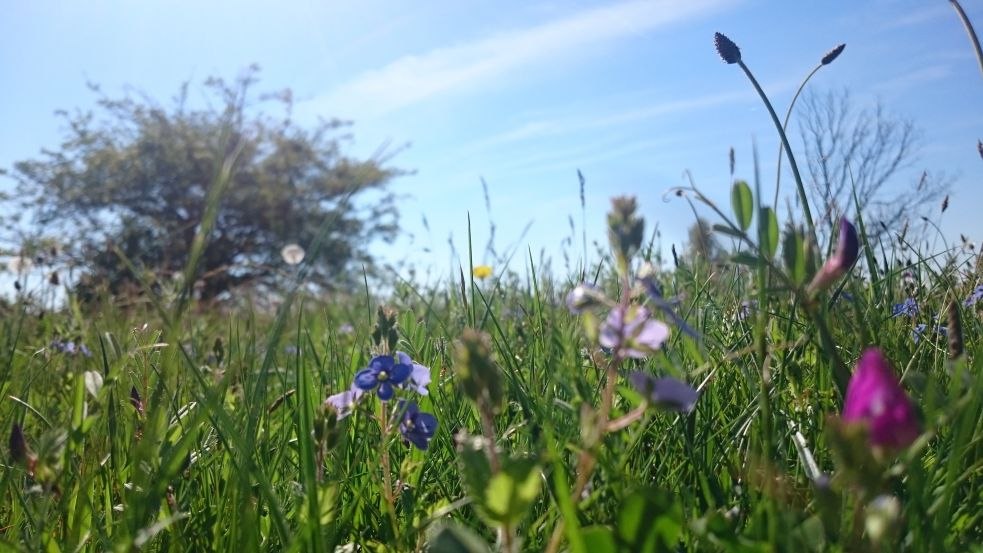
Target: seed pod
x,y
728,51
832,54
955,330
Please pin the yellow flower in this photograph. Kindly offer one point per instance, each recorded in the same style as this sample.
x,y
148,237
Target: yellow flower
x,y
481,271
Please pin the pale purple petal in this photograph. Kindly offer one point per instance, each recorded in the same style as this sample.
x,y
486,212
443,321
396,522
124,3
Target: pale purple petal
x,y
344,402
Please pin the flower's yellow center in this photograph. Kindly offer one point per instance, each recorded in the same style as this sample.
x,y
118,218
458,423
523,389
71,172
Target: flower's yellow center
x,y
383,376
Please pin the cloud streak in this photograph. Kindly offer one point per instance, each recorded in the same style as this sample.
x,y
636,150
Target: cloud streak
x,y
411,79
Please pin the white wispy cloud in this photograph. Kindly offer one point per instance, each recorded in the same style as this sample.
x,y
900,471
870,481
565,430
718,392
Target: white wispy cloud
x,y
416,78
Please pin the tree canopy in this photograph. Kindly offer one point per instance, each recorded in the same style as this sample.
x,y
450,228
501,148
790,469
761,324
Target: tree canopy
x,y
131,180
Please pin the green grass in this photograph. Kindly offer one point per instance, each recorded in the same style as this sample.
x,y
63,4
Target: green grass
x,y
224,455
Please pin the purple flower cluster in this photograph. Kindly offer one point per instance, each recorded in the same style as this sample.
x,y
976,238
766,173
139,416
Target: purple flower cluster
x,y
975,296
385,375
908,308
70,348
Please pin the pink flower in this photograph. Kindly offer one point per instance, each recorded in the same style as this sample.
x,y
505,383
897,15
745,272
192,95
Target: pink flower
x,y
875,397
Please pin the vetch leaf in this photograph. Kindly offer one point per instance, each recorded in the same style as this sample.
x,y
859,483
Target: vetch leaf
x,y
769,236
743,203
510,492
650,520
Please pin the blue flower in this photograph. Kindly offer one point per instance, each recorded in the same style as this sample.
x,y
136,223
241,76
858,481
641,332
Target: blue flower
x,y
666,392
908,307
417,427
71,348
919,331
383,372
419,377
975,296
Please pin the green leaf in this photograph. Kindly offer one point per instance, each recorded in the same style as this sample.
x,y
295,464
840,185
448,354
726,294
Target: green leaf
x,y
650,520
769,236
452,538
509,493
599,539
793,253
742,202
724,229
744,258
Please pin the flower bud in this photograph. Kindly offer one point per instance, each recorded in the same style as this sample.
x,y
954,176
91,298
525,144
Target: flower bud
x,y
477,374
625,230
875,397
832,55
847,249
728,51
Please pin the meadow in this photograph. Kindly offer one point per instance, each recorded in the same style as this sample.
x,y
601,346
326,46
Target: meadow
x,y
789,397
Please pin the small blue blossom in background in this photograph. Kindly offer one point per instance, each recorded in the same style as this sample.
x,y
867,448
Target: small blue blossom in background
x,y
975,296
653,289
670,393
908,308
919,331
416,426
383,372
71,348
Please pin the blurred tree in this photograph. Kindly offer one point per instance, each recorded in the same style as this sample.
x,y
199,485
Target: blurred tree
x,y
134,176
867,151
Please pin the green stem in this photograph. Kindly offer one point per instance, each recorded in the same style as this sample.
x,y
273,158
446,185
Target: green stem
x,y
387,486
788,149
788,115
969,31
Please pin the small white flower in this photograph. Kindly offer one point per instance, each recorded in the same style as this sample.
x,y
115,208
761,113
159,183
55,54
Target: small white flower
x,y
292,254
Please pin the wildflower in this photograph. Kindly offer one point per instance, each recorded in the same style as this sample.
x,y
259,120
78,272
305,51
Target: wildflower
x,y
729,52
646,275
584,296
666,392
419,377
135,400
832,55
481,271
847,248
875,397
346,328
292,254
71,348
416,426
975,296
344,402
746,308
19,451
909,308
919,331
383,372
630,330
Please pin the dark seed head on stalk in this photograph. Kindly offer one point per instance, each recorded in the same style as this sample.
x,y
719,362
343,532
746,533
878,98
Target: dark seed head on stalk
x,y
945,203
729,52
18,445
955,331
979,146
832,55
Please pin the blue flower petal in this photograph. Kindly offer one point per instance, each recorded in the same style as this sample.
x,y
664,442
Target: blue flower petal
x,y
385,391
400,373
426,423
366,379
382,363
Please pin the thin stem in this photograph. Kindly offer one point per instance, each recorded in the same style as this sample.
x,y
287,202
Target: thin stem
x,y
788,149
387,485
788,115
969,31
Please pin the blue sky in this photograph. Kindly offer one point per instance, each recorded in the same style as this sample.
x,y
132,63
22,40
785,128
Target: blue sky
x,y
522,94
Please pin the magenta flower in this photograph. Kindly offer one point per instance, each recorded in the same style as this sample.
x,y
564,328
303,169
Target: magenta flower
x,y
847,249
875,397
635,335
